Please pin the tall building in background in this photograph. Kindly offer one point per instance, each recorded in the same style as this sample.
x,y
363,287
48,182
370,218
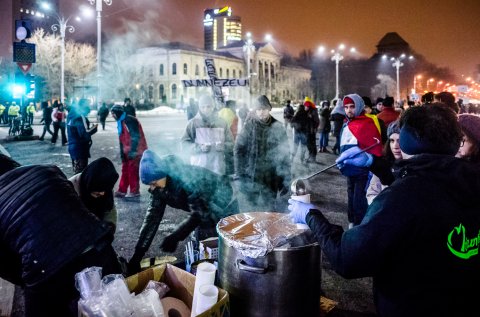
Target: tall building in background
x,y
12,10
220,28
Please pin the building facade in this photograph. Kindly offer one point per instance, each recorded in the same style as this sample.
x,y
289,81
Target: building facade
x,y
162,68
220,28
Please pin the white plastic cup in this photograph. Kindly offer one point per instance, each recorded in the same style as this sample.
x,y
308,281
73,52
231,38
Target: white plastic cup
x,y
205,276
302,198
207,297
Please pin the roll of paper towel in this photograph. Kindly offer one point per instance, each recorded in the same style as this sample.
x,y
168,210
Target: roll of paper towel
x,y
174,307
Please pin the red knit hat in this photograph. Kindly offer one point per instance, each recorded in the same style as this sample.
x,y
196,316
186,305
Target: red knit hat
x,y
309,103
348,101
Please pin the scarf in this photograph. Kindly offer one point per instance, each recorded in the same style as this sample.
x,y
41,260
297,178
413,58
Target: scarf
x,y
119,123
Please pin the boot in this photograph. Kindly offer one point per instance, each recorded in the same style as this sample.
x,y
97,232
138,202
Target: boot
x,y
325,150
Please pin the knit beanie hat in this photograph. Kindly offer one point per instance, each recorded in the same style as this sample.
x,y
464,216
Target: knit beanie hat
x,y
411,143
117,110
309,103
348,101
262,102
470,124
151,168
393,127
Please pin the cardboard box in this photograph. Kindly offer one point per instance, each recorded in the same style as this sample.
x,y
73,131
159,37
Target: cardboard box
x,y
181,285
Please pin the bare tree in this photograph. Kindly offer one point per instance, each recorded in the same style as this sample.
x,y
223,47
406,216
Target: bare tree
x,y
79,62
47,63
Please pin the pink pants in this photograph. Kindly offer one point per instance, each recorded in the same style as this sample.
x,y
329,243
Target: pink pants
x,y
130,170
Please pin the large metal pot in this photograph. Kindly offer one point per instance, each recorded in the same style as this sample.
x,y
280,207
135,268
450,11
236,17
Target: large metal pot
x,y
283,282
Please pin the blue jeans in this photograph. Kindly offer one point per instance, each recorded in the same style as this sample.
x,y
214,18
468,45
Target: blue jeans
x,y
357,199
323,142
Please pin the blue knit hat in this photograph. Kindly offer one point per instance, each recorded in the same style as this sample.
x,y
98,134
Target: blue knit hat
x,y
151,167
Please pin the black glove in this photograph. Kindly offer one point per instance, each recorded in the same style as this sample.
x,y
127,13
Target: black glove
x,y
133,265
169,244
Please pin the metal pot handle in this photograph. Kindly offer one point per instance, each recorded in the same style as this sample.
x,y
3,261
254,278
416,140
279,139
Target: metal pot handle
x,y
253,269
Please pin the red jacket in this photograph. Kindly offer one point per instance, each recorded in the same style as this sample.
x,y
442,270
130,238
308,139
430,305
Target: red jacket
x,y
388,115
132,139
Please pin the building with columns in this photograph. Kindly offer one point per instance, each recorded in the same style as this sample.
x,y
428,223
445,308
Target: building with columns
x,y
160,70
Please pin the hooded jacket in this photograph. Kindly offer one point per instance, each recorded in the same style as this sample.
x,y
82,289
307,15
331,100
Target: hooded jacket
x,y
419,240
206,195
132,140
360,131
42,234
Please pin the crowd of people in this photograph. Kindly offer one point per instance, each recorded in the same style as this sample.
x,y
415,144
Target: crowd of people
x,y
411,177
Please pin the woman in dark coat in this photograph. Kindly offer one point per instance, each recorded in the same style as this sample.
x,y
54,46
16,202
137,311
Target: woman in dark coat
x,y
47,236
95,187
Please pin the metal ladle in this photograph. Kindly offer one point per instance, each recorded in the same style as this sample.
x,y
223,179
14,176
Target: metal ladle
x,y
298,186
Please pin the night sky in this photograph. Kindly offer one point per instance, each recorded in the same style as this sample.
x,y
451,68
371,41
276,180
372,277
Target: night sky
x,y
446,32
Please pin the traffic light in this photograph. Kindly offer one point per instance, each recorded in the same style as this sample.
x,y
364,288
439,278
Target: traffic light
x,y
24,85
23,29
30,86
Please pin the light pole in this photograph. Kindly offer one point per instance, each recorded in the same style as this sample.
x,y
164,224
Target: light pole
x,y
99,4
337,57
397,63
62,27
248,47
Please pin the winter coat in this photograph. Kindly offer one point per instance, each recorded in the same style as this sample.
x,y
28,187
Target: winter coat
x,y
324,125
388,115
132,140
288,113
103,113
130,110
47,115
79,136
231,118
205,194
300,121
418,240
43,224
262,154
213,130
314,119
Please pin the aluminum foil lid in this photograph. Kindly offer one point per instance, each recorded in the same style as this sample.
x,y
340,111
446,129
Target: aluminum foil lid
x,y
255,234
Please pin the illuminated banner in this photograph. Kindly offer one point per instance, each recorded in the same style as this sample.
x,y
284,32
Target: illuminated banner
x,y
218,82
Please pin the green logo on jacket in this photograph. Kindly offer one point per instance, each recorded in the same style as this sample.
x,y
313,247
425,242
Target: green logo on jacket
x,y
460,245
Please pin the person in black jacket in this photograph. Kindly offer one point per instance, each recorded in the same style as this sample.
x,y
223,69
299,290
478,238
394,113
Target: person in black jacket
x,y
208,197
46,119
419,238
129,108
47,236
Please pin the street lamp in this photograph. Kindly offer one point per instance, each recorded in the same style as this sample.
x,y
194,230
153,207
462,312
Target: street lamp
x,y
62,27
337,57
248,47
99,4
397,63
429,81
